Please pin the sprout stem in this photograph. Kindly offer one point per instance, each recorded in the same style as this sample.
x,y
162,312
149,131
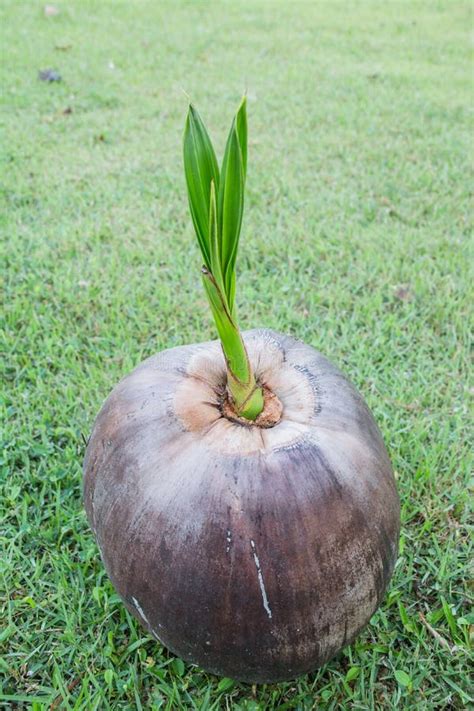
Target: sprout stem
x,y
246,396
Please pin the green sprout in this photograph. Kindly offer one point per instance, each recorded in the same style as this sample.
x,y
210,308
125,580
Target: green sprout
x,y
216,201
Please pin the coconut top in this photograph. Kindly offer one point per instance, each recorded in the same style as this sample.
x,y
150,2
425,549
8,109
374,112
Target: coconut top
x,y
171,409
312,397
290,398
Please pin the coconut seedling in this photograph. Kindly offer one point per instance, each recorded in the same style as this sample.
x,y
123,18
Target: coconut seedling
x,y
239,490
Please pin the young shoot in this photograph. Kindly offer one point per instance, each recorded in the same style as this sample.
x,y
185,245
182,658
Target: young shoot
x,y
216,201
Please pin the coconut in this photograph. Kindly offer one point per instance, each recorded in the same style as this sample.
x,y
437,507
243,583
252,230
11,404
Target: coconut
x,y
256,550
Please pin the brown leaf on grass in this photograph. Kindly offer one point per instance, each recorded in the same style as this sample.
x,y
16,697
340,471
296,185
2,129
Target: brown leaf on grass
x,y
444,643
50,10
59,699
402,293
392,211
49,75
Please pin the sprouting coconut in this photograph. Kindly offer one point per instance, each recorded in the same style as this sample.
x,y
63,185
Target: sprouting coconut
x,y
239,490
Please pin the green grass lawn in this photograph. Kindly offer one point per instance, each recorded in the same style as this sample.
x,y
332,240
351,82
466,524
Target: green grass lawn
x,y
355,240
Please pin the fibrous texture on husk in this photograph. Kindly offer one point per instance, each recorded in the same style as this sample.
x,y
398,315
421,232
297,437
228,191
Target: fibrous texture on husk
x,y
257,553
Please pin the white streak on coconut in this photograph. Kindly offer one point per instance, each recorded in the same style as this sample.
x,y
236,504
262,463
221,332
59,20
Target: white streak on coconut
x,y
260,580
145,619
140,611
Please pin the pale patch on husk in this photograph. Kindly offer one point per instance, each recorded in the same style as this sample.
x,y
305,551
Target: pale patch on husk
x,y
202,404
197,404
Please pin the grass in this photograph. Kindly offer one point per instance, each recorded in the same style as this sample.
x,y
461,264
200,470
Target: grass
x,y
355,240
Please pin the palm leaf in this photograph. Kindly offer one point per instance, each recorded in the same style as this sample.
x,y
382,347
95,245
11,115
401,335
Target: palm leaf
x,y
231,205
200,167
241,125
214,242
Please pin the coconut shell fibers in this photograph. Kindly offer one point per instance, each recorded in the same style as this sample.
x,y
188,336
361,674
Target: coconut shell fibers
x,y
255,552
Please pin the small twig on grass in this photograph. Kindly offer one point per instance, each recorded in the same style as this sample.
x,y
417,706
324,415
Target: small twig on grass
x,y
59,698
443,642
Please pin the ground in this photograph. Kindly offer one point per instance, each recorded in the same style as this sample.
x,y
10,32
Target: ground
x,y
355,240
